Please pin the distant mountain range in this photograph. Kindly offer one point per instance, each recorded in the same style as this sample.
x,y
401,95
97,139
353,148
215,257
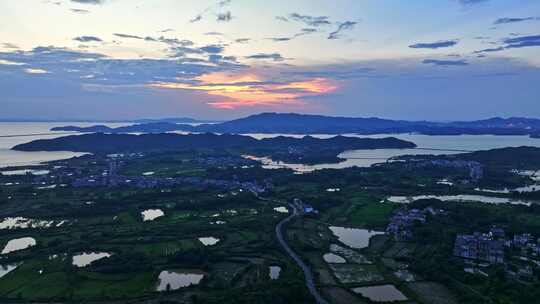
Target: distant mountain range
x,y
317,124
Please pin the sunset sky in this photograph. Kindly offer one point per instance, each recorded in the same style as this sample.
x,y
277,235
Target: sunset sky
x,y
124,59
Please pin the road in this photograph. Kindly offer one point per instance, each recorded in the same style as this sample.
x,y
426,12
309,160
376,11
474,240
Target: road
x,y
308,275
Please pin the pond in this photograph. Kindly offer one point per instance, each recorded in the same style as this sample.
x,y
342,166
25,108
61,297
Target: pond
x,y
152,214
281,209
5,269
458,198
19,244
274,272
22,222
333,258
208,241
85,259
170,280
524,189
25,171
354,237
381,293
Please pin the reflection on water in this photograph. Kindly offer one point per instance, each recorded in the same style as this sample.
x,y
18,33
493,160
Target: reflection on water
x,y
381,293
85,259
281,209
22,222
151,214
208,241
17,158
333,258
170,280
466,198
19,244
274,272
25,171
525,189
5,269
435,145
354,237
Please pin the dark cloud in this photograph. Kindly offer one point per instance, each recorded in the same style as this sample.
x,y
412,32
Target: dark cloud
x,y
167,30
242,40
445,62
281,18
523,41
213,34
514,43
213,8
96,68
94,2
314,21
88,39
8,45
196,19
79,11
514,20
128,36
434,45
489,50
280,39
224,17
271,56
344,26
304,31
212,49
219,59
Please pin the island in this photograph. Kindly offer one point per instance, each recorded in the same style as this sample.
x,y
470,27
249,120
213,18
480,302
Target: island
x,y
305,150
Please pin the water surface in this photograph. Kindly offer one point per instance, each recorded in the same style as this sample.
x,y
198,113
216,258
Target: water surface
x,y
170,280
85,259
5,269
381,293
152,214
333,258
19,244
354,237
208,241
465,198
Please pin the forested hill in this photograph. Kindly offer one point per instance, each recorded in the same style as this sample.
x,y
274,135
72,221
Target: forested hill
x,y
99,142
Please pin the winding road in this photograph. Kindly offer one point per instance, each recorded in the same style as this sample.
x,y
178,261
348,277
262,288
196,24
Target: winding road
x,y
308,275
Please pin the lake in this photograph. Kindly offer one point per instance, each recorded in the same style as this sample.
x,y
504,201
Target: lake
x,y
360,158
354,237
85,259
462,198
381,293
436,145
151,214
17,158
171,280
19,244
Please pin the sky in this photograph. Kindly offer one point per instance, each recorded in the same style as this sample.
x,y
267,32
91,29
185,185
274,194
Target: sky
x,y
208,59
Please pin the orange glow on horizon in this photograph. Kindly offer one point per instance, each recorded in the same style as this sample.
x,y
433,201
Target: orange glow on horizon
x,y
250,90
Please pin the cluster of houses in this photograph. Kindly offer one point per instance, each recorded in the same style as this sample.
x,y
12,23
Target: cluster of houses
x,y
476,171
485,247
490,247
401,223
105,174
304,208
